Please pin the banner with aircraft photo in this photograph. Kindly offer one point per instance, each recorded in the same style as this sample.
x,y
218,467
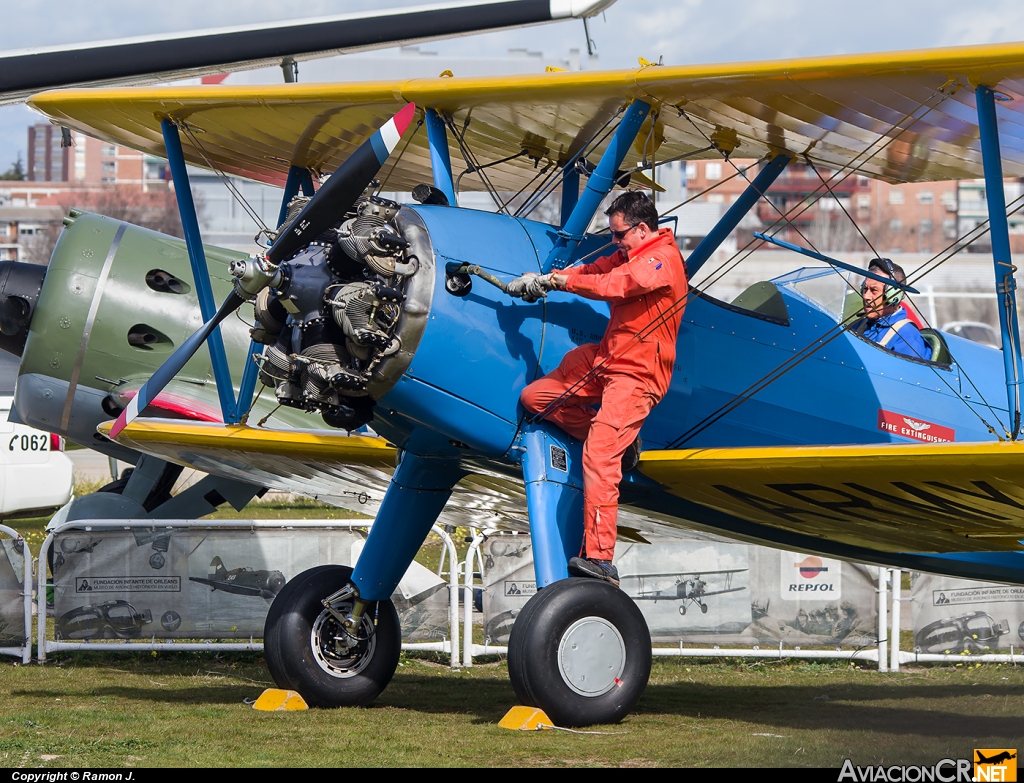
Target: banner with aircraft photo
x,y
701,590
12,602
953,616
180,583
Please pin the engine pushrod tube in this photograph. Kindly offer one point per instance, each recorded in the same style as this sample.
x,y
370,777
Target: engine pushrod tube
x,y
1006,285
836,262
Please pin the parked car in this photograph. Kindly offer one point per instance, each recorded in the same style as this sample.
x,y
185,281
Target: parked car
x,y
974,330
36,476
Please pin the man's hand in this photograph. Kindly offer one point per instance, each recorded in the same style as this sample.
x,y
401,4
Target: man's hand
x,y
518,286
537,287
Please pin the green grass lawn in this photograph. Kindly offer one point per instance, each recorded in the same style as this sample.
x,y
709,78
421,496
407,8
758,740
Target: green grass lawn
x,y
190,710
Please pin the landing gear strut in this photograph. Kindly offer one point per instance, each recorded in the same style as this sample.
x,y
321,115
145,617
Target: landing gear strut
x,y
581,651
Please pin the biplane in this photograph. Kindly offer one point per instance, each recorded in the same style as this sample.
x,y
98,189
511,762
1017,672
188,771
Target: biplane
x,y
782,425
687,588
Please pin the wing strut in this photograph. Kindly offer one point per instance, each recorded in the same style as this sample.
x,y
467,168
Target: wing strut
x,y
599,185
1005,283
834,262
754,191
200,272
440,157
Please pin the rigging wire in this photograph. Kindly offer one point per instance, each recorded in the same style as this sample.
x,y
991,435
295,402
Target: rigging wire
x,y
579,384
591,144
471,170
548,171
471,160
777,372
835,198
1015,207
227,182
784,216
552,176
808,201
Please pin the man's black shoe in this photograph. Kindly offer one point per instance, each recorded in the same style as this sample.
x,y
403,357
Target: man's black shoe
x,y
594,569
631,456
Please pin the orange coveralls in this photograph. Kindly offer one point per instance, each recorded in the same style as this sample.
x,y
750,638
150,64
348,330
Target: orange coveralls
x,y
646,292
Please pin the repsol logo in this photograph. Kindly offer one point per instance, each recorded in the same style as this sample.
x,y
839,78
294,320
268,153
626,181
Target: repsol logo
x,y
812,588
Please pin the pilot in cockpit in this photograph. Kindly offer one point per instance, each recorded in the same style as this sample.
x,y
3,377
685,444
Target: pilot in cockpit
x,y
885,320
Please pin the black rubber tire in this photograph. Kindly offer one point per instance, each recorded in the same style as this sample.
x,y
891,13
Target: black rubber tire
x,y
271,644
703,608
517,673
292,637
533,651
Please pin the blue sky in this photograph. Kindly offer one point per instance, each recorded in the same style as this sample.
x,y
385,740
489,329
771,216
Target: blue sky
x,y
682,31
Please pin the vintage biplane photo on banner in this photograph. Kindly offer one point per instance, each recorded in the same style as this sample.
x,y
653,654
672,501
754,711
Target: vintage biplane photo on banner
x,y
370,355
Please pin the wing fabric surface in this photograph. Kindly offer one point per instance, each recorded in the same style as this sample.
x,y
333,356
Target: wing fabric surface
x,y
921,498
905,116
351,472
947,497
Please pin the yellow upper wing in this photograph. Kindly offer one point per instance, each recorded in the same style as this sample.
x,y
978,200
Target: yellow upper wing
x,y
948,497
910,115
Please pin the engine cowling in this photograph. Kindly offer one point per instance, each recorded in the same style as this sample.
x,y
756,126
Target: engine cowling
x,y
343,316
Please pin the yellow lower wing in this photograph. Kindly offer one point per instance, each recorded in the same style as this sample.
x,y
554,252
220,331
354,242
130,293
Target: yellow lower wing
x,y
947,497
317,464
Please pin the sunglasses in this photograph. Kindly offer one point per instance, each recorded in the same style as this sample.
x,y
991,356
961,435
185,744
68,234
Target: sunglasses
x,y
618,236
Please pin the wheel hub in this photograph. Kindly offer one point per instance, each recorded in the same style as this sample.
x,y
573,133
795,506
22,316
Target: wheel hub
x,y
591,656
336,651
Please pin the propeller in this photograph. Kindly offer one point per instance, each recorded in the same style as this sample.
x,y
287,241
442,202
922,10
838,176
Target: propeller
x,y
324,209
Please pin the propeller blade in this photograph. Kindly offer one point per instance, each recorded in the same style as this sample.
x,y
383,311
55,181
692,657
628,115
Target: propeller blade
x,y
329,204
151,388
343,187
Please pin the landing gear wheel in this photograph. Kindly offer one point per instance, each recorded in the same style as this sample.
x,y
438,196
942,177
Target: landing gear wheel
x,y
682,609
581,651
271,645
703,608
307,651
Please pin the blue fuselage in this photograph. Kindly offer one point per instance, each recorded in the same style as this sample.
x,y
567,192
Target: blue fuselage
x,y
460,395
479,351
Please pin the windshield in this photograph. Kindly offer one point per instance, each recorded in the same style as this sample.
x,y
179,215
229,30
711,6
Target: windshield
x,y
827,288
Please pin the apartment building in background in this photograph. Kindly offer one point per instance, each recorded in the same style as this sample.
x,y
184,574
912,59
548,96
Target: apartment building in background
x,y
912,218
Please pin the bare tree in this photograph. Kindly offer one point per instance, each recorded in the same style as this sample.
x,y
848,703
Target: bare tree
x,y
832,231
155,210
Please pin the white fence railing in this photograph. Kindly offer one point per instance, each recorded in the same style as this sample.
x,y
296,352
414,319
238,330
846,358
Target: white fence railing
x,y
462,582
46,645
24,650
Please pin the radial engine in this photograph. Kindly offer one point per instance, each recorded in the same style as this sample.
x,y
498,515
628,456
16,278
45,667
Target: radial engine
x,y
341,316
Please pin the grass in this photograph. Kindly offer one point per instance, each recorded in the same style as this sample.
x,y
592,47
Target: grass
x,y
190,710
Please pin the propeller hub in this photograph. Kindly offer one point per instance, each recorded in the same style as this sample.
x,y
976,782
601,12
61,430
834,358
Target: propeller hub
x,y
252,275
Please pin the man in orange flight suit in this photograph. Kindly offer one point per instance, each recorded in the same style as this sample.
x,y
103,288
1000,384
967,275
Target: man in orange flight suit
x,y
627,374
